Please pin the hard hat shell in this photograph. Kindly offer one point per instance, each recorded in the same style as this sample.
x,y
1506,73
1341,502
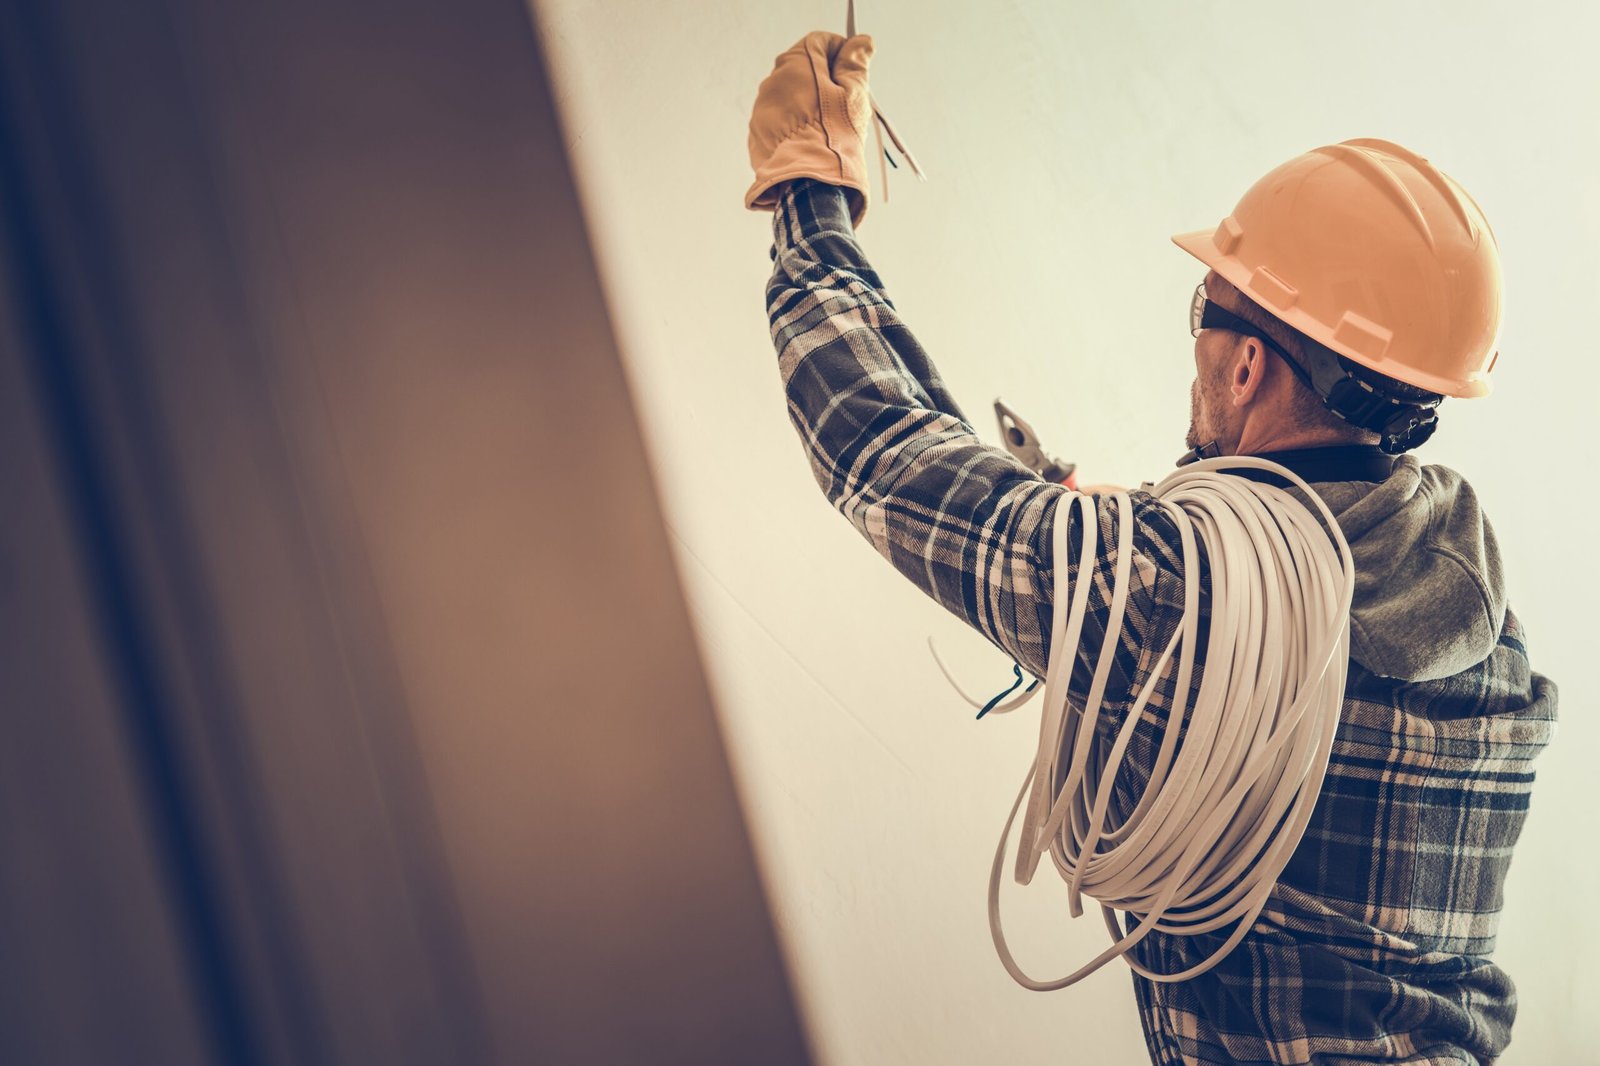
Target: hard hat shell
x,y
1369,249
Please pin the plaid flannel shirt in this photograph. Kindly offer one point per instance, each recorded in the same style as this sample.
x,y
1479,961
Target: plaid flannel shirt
x,y
1374,945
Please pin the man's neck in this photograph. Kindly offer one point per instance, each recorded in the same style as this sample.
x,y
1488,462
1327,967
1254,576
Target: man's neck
x,y
1252,442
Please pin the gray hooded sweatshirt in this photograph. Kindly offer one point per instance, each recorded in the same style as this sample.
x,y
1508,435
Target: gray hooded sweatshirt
x,y
1429,595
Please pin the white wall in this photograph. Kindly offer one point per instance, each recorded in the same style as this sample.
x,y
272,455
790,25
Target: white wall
x,y
1065,143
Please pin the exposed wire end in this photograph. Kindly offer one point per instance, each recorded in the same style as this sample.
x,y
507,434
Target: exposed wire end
x,y
1016,669
888,128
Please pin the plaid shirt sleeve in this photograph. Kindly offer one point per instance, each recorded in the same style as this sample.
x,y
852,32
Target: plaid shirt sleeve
x,y
963,520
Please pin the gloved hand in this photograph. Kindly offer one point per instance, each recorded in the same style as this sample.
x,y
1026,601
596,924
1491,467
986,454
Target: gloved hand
x,y
811,119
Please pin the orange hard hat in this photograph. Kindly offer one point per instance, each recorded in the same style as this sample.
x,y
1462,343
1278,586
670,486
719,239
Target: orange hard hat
x,y
1370,250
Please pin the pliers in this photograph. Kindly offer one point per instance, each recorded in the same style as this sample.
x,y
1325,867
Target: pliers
x,y
1022,442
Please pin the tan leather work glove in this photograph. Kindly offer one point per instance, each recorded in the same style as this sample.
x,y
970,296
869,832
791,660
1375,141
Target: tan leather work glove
x,y
811,118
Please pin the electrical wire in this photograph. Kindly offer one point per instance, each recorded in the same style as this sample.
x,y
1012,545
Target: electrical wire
x,y
883,121
1221,814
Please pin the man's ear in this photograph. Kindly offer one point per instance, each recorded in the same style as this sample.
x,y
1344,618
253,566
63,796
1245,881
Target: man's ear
x,y
1249,366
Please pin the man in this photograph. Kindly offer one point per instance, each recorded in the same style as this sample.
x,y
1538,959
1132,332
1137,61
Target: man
x,y
1375,943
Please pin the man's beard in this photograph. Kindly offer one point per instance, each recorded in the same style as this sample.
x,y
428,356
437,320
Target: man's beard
x,y
1192,439
1209,397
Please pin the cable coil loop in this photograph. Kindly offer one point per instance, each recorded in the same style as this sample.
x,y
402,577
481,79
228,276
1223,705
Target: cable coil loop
x,y
1222,812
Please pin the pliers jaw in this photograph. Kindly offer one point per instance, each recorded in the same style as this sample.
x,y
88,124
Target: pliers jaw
x,y
1021,441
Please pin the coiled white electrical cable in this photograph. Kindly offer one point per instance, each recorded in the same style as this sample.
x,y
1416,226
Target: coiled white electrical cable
x,y
1220,815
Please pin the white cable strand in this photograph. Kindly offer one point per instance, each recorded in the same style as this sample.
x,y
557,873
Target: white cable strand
x,y
1222,813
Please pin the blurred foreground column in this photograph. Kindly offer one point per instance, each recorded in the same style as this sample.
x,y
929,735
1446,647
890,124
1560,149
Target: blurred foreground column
x,y
349,706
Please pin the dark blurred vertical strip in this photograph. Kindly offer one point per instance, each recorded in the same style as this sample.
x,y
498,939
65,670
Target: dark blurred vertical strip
x,y
63,261
334,508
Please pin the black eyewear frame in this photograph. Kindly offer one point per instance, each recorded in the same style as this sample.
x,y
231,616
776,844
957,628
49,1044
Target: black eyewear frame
x,y
1205,314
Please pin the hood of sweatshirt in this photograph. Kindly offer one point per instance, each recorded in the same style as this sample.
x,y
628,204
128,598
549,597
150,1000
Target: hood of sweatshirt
x,y
1430,597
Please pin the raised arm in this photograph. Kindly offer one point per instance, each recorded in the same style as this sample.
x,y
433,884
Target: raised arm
x,y
892,451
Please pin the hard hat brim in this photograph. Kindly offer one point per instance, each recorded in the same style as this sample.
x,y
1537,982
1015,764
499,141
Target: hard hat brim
x,y
1197,243
1202,245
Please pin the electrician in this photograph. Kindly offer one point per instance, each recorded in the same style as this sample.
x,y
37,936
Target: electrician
x,y
1351,290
